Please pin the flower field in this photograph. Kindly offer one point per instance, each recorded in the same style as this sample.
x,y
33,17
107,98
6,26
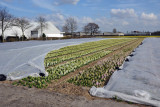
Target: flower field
x,y
59,63
61,55
99,74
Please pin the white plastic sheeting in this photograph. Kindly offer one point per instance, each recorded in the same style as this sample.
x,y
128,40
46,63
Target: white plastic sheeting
x,y
139,80
21,59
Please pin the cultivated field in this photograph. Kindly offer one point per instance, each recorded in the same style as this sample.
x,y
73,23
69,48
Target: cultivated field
x,y
89,64
74,69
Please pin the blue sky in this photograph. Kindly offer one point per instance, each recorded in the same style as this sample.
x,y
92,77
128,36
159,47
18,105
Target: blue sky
x,y
124,15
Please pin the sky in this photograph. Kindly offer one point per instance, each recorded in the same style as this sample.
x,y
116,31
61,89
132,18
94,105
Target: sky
x,y
124,15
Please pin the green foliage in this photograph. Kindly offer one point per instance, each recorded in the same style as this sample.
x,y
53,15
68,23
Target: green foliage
x,y
73,52
117,99
99,74
60,62
43,35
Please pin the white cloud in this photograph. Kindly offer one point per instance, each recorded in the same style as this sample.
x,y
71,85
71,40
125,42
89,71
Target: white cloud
x,y
150,16
44,4
123,13
86,20
133,21
16,8
107,24
125,23
50,5
57,18
61,2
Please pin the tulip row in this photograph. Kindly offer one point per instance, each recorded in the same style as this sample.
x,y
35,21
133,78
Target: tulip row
x,y
99,74
56,60
56,72
71,66
59,71
83,47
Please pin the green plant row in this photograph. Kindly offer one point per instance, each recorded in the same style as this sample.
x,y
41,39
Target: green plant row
x,y
59,71
99,74
74,47
56,60
71,66
62,69
82,47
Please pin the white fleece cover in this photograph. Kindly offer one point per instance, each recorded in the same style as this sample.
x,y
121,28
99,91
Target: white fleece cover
x,y
21,59
139,79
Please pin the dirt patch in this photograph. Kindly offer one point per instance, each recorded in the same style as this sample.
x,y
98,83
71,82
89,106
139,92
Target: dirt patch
x,y
12,96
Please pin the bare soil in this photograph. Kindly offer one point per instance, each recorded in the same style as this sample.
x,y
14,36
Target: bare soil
x,y
13,96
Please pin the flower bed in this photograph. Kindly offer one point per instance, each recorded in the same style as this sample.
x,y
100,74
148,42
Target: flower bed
x,y
75,58
87,50
99,74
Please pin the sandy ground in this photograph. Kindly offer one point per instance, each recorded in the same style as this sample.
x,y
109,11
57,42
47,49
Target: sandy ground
x,y
12,96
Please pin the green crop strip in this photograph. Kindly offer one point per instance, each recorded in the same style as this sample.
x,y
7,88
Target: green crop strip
x,y
83,47
71,66
80,55
53,61
99,74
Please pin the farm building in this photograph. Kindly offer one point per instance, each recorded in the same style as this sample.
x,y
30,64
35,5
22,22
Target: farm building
x,y
137,33
50,30
99,34
113,34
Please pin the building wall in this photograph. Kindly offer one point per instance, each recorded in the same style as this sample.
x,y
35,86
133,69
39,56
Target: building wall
x,y
54,35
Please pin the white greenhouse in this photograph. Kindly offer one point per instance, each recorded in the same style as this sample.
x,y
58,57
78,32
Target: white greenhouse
x,y
50,30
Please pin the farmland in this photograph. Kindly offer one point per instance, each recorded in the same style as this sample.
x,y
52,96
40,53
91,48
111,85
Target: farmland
x,y
88,64
100,68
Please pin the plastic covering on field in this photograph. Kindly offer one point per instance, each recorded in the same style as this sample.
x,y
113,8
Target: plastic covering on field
x,y
139,79
22,59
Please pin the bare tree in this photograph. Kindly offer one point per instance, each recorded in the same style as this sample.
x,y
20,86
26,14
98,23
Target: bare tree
x,y
15,32
70,25
42,23
23,24
86,29
114,30
92,28
6,20
65,29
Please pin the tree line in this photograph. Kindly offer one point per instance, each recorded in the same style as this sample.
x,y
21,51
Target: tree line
x,y
7,21
71,26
